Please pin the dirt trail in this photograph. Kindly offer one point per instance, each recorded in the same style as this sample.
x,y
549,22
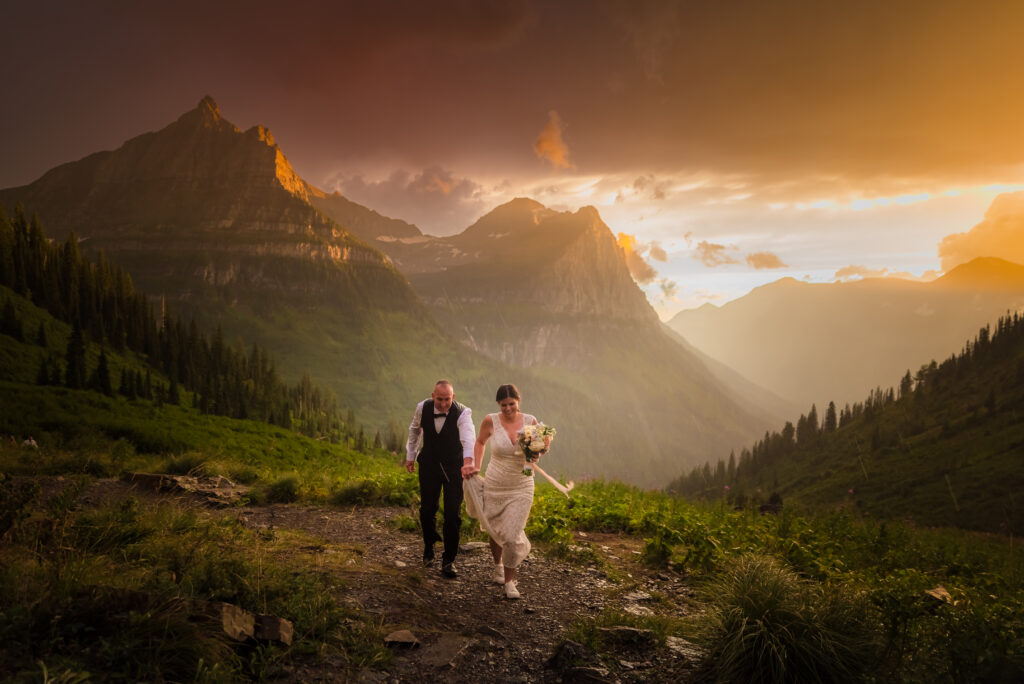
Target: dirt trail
x,y
467,630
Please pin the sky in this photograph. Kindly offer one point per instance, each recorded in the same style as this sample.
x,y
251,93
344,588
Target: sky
x,y
728,143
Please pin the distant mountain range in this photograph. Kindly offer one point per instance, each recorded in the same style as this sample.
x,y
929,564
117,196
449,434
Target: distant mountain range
x,y
815,343
215,221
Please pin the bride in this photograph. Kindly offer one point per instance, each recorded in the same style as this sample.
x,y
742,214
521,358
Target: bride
x,y
507,492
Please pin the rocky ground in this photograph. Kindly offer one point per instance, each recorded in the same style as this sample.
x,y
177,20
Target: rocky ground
x,y
465,630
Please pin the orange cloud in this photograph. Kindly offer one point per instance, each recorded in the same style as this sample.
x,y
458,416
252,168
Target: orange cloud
x,y
713,255
759,260
549,144
999,234
641,271
854,272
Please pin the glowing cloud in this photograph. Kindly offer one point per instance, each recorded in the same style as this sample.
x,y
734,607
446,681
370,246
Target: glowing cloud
x,y
853,272
641,271
713,255
759,260
549,144
999,234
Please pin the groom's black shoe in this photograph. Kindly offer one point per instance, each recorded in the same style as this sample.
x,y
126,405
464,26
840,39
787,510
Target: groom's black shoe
x,y
428,557
448,571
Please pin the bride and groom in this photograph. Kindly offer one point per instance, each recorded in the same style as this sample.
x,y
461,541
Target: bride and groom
x,y
451,456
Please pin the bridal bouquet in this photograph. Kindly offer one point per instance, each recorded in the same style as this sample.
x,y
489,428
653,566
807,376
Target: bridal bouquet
x,y
533,440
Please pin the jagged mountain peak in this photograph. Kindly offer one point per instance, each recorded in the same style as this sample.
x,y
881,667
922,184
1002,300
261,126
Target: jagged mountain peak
x,y
206,115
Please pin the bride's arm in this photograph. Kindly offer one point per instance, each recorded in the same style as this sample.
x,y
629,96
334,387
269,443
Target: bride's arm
x,y
486,430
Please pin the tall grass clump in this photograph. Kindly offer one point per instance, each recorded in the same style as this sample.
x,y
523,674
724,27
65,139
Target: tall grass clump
x,y
766,624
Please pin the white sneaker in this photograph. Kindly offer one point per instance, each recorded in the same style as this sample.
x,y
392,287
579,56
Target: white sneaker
x,y
510,590
499,574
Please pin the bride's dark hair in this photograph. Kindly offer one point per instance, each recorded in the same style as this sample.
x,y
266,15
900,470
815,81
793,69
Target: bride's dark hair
x,y
506,392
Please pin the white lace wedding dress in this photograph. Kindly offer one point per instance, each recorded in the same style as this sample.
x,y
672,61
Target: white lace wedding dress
x,y
507,495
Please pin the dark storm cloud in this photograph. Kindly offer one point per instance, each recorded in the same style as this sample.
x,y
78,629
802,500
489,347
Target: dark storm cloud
x,y
792,91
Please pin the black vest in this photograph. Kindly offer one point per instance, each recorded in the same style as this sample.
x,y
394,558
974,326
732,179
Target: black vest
x,y
444,446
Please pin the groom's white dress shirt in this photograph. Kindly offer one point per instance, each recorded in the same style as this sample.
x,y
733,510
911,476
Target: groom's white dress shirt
x,y
467,433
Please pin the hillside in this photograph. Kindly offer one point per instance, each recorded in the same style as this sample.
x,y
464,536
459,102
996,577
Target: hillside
x,y
814,343
943,448
212,220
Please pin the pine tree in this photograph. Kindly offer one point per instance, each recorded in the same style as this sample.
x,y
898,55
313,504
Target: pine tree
x,y
75,359
127,386
103,375
831,423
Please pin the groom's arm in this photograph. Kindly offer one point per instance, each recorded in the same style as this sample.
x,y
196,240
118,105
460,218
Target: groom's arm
x,y
412,445
467,434
467,437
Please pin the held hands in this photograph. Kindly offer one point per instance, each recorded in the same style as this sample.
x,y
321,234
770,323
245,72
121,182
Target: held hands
x,y
469,469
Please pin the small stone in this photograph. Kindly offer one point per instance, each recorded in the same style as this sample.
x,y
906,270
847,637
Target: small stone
x,y
399,564
682,647
529,610
571,654
402,638
628,635
637,596
236,622
270,628
587,675
940,594
490,631
641,611
473,546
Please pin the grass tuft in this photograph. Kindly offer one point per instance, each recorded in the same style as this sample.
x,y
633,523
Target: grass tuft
x,y
766,624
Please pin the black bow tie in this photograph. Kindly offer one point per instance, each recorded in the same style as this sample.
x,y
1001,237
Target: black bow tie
x,y
440,415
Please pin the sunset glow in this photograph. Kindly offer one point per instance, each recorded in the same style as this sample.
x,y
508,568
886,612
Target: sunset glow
x,y
800,148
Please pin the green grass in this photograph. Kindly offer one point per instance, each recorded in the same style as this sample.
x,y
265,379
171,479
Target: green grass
x,y
839,569
106,593
764,623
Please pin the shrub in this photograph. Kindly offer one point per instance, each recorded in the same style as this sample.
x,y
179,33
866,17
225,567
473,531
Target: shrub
x,y
284,490
766,624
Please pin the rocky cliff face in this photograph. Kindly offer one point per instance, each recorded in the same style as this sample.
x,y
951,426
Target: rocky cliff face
x,y
198,200
529,285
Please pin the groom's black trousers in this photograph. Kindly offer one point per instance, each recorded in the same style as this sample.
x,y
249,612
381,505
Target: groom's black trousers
x,y
437,477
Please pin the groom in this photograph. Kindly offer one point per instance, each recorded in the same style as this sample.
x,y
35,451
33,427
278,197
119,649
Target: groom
x,y
446,431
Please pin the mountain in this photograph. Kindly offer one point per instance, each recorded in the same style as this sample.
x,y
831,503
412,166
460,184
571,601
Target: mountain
x,y
550,291
215,222
942,448
821,342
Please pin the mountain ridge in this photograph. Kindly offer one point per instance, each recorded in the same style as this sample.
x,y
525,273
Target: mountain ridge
x,y
794,338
